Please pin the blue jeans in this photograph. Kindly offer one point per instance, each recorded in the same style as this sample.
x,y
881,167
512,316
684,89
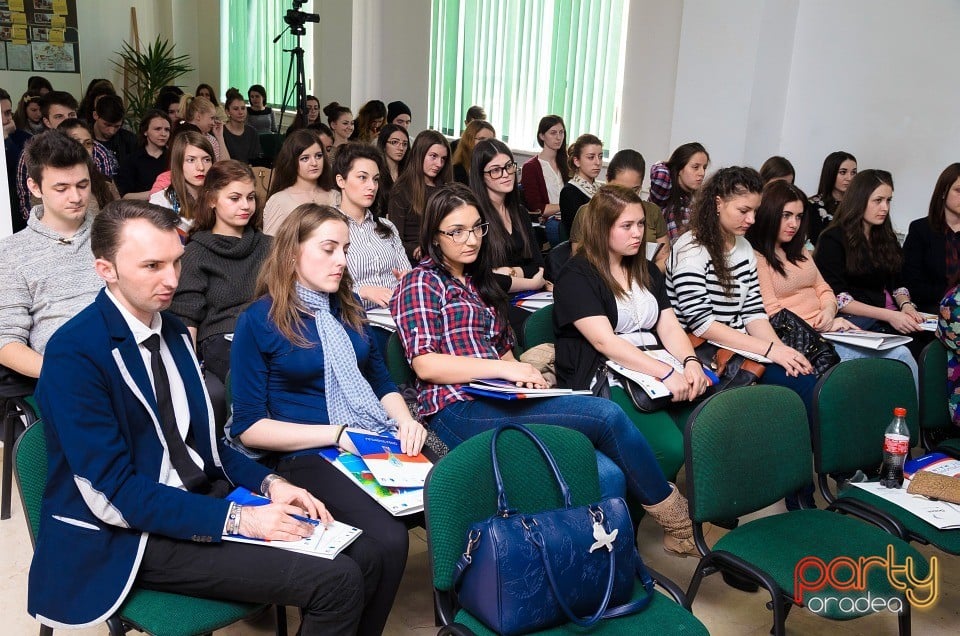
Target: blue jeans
x,y
602,421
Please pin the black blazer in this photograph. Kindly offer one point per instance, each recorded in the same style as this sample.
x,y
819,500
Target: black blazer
x,y
925,265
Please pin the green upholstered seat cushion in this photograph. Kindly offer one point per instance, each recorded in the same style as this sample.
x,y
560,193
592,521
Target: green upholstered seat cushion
x,y
662,617
946,540
165,614
775,544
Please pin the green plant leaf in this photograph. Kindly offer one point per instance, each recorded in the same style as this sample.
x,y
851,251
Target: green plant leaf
x,y
148,71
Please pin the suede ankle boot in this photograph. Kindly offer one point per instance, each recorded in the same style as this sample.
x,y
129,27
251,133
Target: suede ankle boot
x,y
673,516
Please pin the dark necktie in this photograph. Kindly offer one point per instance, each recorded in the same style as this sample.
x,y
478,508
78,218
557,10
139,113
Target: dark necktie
x,y
193,478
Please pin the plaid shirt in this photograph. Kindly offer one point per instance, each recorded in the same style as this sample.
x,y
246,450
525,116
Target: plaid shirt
x,y
660,183
103,159
436,313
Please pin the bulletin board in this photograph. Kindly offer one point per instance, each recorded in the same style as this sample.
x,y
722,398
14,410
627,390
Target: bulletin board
x,y
39,35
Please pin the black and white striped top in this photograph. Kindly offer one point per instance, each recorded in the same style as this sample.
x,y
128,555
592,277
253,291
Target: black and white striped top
x,y
696,294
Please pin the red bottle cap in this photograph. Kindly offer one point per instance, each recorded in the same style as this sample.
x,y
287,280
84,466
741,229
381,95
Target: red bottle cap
x,y
900,412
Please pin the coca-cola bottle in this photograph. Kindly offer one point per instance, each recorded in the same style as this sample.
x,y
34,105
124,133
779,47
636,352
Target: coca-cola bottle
x,y
896,445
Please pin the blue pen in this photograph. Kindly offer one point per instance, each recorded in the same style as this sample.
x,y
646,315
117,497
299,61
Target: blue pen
x,y
714,380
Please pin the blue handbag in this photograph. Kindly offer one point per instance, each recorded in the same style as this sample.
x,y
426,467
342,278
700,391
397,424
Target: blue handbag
x,y
527,572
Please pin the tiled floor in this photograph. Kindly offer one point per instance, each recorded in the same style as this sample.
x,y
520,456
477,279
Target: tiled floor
x,y
723,610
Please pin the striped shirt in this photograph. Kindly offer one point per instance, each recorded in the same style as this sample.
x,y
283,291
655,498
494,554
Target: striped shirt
x,y
436,313
371,258
696,294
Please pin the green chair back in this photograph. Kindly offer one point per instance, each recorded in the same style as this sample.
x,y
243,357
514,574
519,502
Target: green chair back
x,y
539,328
460,489
30,467
396,359
853,404
147,611
934,414
746,448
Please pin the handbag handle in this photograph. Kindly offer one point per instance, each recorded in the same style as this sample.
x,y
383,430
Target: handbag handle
x,y
503,508
629,607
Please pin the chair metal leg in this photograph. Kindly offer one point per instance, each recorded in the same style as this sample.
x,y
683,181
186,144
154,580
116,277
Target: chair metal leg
x,y
46,630
11,424
780,608
903,619
116,626
281,620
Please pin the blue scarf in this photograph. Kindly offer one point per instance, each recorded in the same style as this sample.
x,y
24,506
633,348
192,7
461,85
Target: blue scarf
x,y
350,400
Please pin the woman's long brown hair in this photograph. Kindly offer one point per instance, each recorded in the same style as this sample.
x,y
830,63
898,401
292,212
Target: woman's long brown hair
x,y
278,276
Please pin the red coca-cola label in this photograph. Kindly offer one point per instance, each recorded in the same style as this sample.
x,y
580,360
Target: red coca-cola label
x,y
896,444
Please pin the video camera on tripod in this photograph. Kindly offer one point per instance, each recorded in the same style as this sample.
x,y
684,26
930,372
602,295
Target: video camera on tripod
x,y
297,19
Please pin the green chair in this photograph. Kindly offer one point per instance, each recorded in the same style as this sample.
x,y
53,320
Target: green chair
x,y
936,429
396,359
538,329
156,613
747,448
468,469
850,417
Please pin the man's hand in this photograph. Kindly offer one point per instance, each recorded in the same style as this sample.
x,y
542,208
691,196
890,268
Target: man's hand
x,y
283,492
274,522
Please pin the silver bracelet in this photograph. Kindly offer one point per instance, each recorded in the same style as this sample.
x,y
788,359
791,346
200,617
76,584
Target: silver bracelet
x,y
233,519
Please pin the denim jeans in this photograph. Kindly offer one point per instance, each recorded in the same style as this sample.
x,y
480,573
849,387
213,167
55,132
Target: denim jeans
x,y
602,421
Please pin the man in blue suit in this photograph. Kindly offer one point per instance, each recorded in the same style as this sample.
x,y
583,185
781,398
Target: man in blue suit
x,y
137,479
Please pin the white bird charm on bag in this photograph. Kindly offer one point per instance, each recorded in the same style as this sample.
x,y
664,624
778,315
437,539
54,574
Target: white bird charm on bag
x,y
603,538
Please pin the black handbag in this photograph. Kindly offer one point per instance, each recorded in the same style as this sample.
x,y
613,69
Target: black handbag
x,y
641,399
527,572
794,332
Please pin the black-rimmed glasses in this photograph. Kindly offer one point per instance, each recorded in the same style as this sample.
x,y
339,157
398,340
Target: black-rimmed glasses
x,y
460,235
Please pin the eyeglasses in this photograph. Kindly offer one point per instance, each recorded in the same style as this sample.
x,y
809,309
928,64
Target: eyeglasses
x,y
398,143
459,236
497,172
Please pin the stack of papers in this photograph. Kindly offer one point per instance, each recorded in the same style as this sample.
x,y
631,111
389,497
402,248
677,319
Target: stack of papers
x,y
506,390
940,514
532,301
868,339
381,317
393,479
929,322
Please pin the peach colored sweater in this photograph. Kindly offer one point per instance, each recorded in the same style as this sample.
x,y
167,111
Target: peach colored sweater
x,y
803,290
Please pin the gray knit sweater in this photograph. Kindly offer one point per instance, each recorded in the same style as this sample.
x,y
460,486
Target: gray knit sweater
x,y
45,280
217,280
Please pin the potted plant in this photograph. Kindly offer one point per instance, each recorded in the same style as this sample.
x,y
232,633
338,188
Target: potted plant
x,y
146,73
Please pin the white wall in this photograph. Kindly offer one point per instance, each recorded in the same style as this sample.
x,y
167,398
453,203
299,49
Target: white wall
x,y
876,78
748,78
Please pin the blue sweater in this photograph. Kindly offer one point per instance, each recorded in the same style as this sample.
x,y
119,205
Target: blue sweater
x,y
273,378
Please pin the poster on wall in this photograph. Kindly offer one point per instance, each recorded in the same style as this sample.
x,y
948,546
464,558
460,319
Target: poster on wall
x,y
40,35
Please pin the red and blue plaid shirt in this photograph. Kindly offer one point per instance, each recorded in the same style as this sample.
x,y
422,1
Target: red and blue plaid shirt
x,y
436,313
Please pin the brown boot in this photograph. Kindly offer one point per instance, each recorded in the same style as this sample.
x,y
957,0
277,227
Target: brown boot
x,y
674,518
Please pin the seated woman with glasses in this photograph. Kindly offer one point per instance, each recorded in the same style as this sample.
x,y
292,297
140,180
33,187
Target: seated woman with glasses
x,y
451,318
516,260
393,141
